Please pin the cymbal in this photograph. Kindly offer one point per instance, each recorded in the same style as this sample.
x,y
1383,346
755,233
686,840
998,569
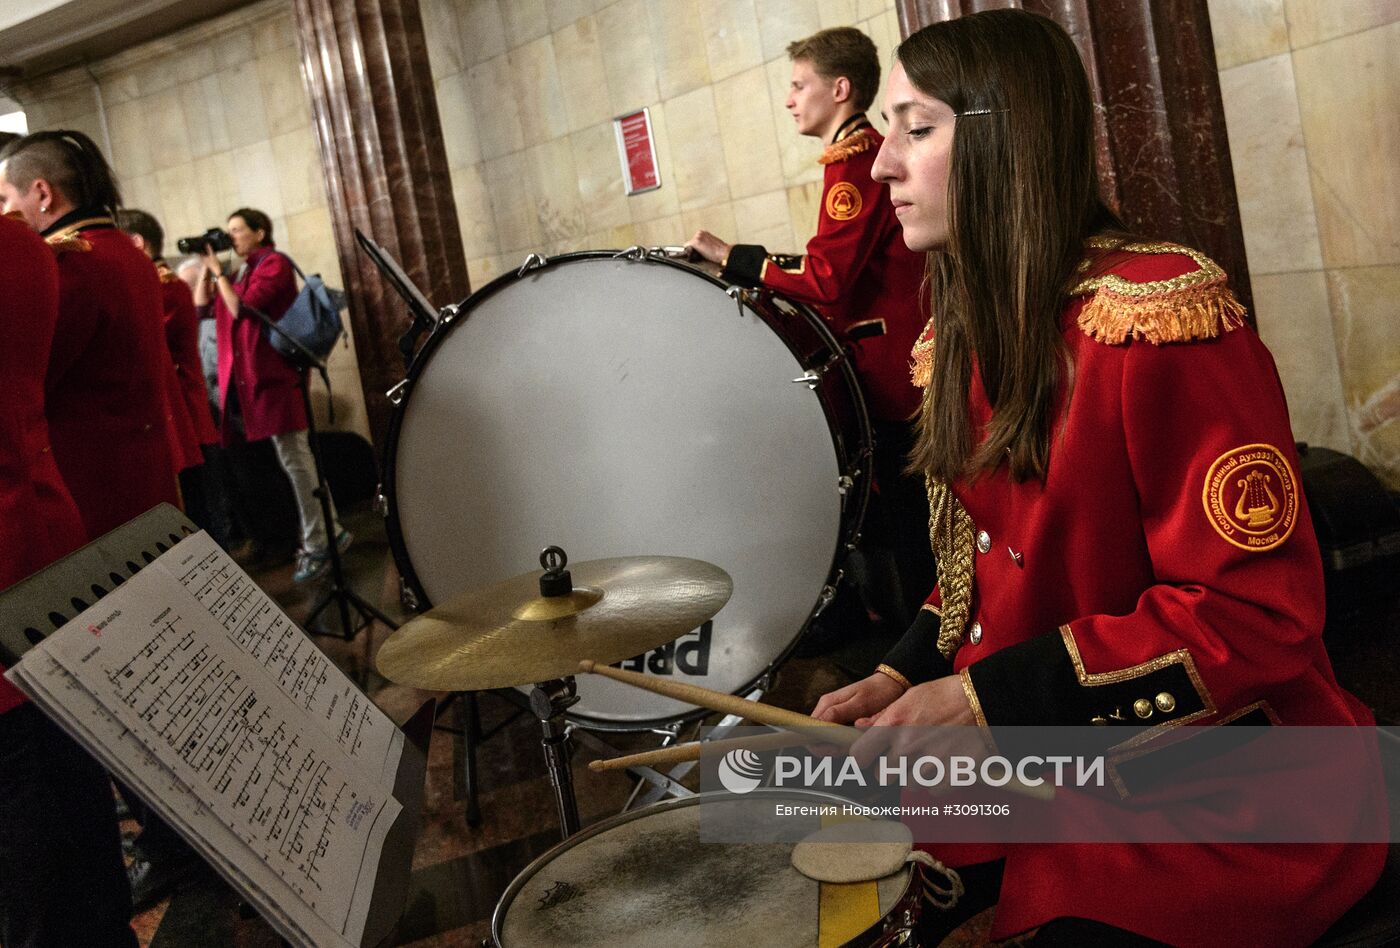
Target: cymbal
x,y
508,634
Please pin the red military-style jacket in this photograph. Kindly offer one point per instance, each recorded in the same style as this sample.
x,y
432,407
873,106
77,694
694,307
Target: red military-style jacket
x,y
856,271
1165,573
267,385
38,520
109,376
182,341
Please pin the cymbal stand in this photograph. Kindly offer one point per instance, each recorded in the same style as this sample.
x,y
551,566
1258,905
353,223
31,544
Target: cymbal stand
x,y
549,700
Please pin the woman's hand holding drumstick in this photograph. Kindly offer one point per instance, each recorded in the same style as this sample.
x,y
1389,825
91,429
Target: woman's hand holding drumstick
x,y
811,730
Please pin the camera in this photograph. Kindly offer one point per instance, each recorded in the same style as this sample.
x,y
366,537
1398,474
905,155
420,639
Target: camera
x,y
215,237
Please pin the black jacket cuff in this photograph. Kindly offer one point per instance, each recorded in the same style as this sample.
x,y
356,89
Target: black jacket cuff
x,y
916,655
744,265
1040,682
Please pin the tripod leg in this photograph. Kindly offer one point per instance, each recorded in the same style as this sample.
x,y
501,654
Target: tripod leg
x,y
471,729
466,718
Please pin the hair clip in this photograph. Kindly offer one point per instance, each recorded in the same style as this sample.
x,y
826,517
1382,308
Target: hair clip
x,y
980,112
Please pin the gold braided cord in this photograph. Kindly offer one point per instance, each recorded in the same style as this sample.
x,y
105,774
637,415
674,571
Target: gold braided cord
x,y
950,535
921,358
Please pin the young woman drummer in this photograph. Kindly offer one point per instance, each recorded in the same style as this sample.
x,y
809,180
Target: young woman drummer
x,y
1117,513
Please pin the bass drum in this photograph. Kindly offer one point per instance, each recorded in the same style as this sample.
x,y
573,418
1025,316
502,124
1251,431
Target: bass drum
x,y
624,405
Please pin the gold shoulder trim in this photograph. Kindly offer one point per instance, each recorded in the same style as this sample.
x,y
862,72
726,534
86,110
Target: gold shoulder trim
x,y
62,244
846,148
1194,305
70,237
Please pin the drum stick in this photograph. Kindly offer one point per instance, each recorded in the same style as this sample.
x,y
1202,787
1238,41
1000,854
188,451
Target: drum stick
x,y
714,700
681,753
753,711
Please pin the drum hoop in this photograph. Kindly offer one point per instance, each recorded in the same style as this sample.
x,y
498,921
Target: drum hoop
x,y
524,876
850,522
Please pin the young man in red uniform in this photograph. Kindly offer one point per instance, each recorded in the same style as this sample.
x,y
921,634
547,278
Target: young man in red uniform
x,y
865,282
61,878
107,384
191,408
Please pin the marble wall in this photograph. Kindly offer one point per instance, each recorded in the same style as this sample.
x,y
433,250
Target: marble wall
x,y
207,120
527,90
1312,104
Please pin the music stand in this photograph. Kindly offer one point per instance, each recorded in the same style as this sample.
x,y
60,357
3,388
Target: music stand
x,y
339,592
424,315
42,603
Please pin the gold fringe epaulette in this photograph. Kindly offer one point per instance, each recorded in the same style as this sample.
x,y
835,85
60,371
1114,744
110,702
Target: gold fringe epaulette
x,y
71,238
64,243
1195,305
846,148
166,274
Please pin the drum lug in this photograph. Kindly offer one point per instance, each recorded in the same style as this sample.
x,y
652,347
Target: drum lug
x,y
448,314
396,394
741,295
811,378
407,596
844,483
532,262
635,252
381,502
828,593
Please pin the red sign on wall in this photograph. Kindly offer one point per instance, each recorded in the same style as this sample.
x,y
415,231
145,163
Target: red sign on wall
x,y
637,150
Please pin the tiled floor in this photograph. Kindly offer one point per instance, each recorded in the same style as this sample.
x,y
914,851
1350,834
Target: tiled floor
x,y
460,872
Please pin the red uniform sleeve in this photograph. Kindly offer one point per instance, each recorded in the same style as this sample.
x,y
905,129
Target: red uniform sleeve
x,y
1237,604
848,231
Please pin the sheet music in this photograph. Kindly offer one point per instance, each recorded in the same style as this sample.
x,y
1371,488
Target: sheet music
x,y
222,693
117,749
258,626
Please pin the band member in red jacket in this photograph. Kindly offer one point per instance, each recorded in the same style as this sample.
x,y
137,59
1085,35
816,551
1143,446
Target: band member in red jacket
x,y
1117,512
858,273
109,372
61,878
191,408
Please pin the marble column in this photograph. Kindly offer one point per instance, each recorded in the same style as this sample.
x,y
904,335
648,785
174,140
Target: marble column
x,y
376,122
1163,154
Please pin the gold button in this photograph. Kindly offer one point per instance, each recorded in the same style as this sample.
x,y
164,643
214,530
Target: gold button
x,y
1142,708
1165,702
1098,720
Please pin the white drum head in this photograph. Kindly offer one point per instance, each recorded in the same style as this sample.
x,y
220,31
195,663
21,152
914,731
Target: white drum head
x,y
623,408
650,878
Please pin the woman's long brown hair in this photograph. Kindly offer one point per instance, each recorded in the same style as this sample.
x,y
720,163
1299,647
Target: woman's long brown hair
x,y
1023,195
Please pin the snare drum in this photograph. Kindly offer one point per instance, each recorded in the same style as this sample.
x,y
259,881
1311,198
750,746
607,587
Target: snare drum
x,y
627,406
648,878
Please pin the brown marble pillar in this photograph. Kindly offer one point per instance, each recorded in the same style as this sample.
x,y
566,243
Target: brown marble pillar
x,y
376,120
1164,157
